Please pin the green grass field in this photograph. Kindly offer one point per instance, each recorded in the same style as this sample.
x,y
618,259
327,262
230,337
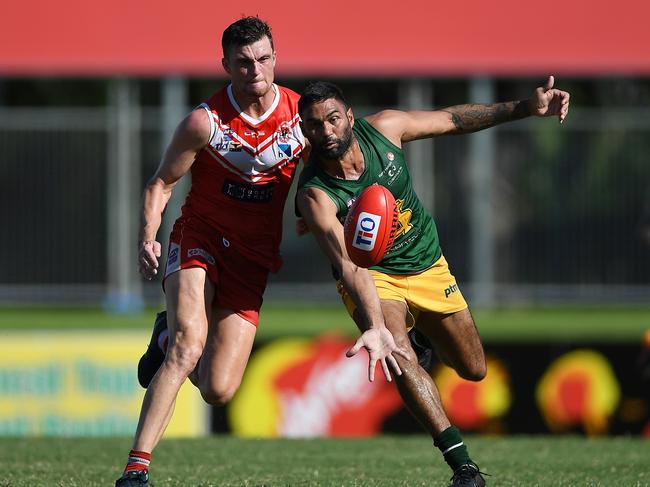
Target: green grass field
x,y
383,461
515,324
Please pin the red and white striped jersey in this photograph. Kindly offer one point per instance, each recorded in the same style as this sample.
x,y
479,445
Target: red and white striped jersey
x,y
240,180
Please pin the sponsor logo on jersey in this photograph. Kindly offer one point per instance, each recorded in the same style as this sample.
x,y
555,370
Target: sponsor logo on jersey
x,y
451,289
285,148
366,231
390,173
173,262
201,253
252,193
223,143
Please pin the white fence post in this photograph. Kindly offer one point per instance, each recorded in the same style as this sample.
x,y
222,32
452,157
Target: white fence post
x,y
481,173
123,187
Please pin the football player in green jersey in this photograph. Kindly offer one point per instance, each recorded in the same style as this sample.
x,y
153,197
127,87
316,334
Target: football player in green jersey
x,y
412,285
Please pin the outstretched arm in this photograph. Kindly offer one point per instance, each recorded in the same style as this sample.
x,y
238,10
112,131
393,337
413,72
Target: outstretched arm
x,y
402,127
545,102
190,137
319,213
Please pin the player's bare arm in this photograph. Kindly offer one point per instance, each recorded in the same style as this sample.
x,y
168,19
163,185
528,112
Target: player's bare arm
x,y
319,214
399,126
190,137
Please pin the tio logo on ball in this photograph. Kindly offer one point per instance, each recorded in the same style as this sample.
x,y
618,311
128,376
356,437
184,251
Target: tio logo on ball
x,y
366,231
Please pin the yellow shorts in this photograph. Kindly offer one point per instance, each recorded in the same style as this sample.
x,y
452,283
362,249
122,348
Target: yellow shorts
x,y
433,290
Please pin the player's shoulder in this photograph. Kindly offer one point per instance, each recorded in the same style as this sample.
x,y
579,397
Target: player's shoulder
x,y
386,119
290,96
389,124
288,91
195,128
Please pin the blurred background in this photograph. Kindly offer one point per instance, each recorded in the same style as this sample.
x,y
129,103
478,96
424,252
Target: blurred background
x,y
546,226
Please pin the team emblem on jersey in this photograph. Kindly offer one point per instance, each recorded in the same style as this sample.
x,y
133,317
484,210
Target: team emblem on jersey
x,y
235,146
390,156
404,218
284,132
284,137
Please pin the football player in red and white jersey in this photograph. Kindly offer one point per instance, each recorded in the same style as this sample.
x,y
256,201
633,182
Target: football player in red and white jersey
x,y
242,147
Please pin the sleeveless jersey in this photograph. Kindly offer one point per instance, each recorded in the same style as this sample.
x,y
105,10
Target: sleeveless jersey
x,y
416,246
241,178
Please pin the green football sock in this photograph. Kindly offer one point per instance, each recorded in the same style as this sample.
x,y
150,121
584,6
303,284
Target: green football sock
x,y
452,447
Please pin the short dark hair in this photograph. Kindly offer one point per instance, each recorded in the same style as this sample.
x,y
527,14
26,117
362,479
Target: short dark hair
x,y
245,31
318,91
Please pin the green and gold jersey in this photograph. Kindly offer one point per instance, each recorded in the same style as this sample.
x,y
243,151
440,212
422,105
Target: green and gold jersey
x,y
416,246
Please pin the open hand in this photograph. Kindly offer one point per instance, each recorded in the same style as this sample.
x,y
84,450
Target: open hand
x,y
148,255
548,101
381,346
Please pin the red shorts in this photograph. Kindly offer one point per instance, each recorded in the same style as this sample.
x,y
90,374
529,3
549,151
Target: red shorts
x,y
239,283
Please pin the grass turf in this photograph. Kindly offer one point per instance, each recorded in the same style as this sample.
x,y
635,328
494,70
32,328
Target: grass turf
x,y
500,325
382,461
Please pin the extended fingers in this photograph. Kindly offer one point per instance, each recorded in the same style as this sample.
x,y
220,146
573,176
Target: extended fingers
x,y
384,367
394,365
371,369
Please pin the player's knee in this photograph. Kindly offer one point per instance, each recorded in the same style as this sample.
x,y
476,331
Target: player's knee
x,y
474,371
216,390
217,395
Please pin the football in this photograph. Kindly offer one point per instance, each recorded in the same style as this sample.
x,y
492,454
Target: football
x,y
370,226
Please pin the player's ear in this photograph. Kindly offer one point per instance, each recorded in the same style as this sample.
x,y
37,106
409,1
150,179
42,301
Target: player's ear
x,y
226,66
350,116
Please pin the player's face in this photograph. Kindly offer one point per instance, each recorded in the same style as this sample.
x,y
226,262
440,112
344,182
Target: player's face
x,y
328,126
251,67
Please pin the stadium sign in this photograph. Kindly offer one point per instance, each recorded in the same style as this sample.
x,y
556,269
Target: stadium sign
x,y
307,388
80,383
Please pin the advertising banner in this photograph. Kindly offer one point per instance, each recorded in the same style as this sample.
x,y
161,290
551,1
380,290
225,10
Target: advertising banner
x,y
81,383
307,387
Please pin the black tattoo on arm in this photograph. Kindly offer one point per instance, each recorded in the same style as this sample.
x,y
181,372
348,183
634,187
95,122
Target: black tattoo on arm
x,y
477,116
